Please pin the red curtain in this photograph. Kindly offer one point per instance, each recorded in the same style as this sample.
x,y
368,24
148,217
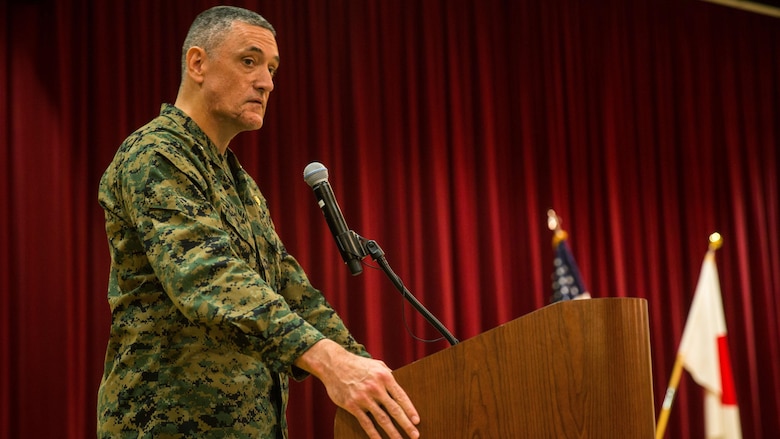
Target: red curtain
x,y
449,128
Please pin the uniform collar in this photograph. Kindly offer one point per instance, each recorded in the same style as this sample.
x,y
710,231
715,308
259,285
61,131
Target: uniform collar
x,y
202,141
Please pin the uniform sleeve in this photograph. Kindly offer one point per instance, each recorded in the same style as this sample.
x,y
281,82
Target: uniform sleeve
x,y
191,255
312,305
294,285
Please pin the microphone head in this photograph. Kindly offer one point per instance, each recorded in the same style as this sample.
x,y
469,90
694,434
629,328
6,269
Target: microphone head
x,y
314,173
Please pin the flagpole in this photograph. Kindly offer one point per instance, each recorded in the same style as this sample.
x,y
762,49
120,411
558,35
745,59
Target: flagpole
x,y
716,241
666,408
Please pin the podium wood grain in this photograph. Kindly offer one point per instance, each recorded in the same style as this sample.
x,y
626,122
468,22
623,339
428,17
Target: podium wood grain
x,y
577,369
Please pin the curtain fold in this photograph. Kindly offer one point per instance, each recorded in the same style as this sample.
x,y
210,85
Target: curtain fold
x,y
7,343
448,128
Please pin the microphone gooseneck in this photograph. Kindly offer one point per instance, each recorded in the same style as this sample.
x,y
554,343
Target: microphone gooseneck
x,y
354,248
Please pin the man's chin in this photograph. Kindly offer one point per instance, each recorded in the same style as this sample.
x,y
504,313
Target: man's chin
x,y
253,124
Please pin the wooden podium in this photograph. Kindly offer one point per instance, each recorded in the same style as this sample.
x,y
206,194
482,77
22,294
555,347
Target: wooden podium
x,y
576,369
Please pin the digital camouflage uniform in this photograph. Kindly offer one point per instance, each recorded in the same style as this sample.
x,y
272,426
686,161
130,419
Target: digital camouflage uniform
x,y
208,309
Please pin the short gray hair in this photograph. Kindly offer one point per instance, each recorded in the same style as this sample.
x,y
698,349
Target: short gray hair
x,y
208,29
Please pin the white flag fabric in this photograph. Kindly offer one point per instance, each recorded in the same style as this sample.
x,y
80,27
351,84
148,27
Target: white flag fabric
x,y
704,350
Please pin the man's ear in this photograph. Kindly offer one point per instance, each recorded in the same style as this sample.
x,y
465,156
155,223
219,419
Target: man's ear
x,y
196,58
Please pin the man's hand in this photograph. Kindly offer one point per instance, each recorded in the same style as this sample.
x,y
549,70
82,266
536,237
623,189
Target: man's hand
x,y
363,387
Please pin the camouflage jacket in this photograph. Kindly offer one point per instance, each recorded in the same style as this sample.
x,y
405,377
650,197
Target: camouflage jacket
x,y
208,310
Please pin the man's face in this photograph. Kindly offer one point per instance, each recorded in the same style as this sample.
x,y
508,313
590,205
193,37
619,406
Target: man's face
x,y
239,77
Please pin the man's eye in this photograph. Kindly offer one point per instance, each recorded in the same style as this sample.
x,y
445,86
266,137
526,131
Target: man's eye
x,y
249,62
272,70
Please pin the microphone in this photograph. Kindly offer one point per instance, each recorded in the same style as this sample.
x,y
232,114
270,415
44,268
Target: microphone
x,y
352,252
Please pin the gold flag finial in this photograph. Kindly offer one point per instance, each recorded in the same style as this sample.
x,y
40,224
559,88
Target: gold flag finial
x,y
716,241
553,221
554,224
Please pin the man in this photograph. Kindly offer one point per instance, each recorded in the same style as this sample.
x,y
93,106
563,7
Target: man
x,y
210,314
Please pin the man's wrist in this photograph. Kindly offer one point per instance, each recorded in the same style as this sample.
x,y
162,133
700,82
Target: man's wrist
x,y
319,358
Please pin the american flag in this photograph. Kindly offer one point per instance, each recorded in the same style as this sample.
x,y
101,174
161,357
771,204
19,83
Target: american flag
x,y
567,283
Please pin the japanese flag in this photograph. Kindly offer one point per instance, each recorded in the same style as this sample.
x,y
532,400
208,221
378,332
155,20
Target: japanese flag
x,y
705,354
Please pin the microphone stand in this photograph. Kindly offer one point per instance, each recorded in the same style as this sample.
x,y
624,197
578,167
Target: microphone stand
x,y
370,247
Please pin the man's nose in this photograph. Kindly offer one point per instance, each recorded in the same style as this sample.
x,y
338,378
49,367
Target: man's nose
x,y
264,81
